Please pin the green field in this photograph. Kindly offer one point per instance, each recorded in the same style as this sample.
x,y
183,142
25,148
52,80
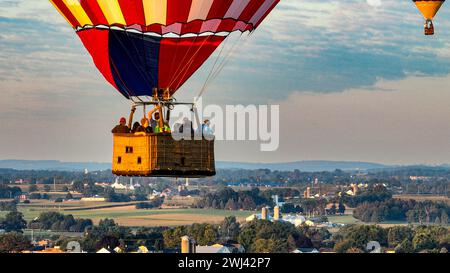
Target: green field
x,y
129,216
344,219
350,220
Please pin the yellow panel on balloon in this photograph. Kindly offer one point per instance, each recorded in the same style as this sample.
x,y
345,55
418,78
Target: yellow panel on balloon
x,y
78,12
429,8
112,11
155,11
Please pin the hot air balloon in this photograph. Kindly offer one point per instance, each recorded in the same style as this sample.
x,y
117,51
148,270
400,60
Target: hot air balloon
x,y
429,9
147,50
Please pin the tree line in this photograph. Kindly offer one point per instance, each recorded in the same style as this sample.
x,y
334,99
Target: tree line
x,y
59,222
227,198
403,210
403,239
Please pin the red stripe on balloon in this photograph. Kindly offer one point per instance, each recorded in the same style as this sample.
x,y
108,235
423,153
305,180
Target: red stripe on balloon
x,y
96,42
250,10
219,8
133,12
198,51
267,13
94,12
178,11
228,25
67,13
192,27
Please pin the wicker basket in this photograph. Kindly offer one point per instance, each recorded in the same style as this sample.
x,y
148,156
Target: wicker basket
x,y
159,155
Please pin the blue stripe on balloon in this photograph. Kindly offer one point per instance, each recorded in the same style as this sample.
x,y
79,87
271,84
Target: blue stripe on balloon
x,y
134,62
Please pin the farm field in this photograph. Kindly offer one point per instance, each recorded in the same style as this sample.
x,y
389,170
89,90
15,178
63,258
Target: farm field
x,y
344,219
350,220
422,197
127,215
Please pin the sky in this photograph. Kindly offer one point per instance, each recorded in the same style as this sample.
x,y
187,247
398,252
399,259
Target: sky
x,y
355,80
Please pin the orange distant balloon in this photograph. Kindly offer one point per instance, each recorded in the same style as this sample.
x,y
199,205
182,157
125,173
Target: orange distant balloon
x,y
429,9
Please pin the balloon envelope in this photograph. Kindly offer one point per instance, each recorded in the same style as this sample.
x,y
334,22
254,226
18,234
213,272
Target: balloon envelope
x,y
429,8
139,45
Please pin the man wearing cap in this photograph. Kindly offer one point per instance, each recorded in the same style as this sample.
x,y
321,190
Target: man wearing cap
x,y
122,128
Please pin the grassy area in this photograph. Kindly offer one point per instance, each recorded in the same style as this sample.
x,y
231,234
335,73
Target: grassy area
x,y
120,213
423,197
36,234
349,220
344,219
129,215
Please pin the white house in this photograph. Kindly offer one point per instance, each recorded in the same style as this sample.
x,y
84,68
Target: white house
x,y
104,251
215,249
118,186
305,250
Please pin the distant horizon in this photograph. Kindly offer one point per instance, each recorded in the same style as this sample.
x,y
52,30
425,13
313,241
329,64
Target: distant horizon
x,y
248,162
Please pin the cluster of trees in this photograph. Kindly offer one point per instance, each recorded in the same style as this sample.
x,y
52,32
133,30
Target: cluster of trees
x,y
204,234
433,186
283,193
14,242
279,237
117,197
39,196
259,236
267,176
59,222
403,210
89,189
291,208
108,234
435,179
155,203
13,221
227,198
34,188
189,193
48,177
9,192
8,206
403,239
336,209
314,207
374,193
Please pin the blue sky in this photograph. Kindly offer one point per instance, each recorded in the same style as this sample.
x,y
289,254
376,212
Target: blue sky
x,y
307,51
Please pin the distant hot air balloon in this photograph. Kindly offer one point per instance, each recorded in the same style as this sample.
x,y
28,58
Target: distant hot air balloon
x,y
150,48
429,9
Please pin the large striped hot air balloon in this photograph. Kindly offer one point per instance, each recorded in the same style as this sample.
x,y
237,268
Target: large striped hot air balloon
x,y
143,47
139,45
429,9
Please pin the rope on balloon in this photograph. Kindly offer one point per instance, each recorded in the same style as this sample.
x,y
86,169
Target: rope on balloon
x,y
214,74
214,66
178,72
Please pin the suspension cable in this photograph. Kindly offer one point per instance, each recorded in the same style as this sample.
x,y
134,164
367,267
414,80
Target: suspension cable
x,y
189,63
214,74
213,67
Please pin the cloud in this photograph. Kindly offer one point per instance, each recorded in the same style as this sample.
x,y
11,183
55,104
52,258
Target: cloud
x,y
400,122
393,122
